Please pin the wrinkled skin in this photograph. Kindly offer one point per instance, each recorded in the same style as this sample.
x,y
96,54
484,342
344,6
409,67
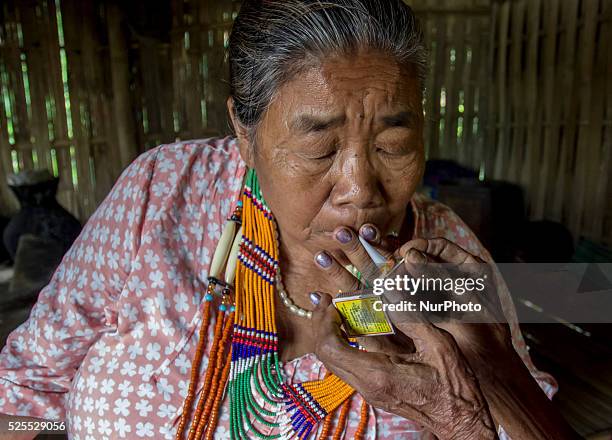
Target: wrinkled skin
x,y
420,372
339,151
341,145
486,344
432,384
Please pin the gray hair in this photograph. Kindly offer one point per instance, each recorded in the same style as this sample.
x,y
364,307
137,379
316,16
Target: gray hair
x,y
273,40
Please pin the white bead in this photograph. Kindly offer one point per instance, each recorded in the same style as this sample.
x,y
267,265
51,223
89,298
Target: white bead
x,y
287,301
223,249
230,268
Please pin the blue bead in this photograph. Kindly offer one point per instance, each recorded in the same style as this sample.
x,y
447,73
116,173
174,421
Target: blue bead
x,y
208,297
222,307
232,308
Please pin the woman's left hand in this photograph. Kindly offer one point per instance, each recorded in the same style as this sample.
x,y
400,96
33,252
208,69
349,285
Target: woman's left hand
x,y
431,384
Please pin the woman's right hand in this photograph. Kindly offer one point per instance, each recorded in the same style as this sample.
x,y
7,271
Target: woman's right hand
x,y
430,383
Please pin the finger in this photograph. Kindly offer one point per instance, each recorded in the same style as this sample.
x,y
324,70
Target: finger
x,y
373,235
415,256
415,262
418,252
447,251
348,363
379,344
420,244
325,317
415,326
343,280
444,251
418,264
356,253
391,344
439,248
428,339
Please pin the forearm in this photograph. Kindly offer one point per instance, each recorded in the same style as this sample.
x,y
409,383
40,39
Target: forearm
x,y
481,428
453,426
519,405
6,433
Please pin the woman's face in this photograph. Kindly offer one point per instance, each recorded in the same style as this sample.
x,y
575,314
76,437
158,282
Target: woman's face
x,y
341,145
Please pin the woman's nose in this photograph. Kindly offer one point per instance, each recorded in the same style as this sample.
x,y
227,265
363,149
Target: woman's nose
x,y
358,184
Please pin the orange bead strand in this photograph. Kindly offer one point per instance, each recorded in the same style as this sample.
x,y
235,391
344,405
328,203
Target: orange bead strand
x,y
251,322
210,428
208,376
218,367
342,419
195,367
363,421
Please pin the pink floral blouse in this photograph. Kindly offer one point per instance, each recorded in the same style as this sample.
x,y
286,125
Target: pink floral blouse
x,y
108,346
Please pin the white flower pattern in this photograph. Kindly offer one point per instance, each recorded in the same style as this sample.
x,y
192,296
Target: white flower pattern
x,y
127,292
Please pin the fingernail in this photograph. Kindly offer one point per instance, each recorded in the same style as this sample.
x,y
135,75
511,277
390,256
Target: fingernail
x,y
315,298
417,255
368,232
344,235
323,259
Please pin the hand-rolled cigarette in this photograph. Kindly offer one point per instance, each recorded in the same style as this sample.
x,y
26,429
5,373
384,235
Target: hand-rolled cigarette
x,y
376,257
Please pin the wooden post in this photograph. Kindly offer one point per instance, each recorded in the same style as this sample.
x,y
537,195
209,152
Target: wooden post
x,y
562,197
124,117
532,99
598,163
434,93
516,108
502,121
585,149
551,115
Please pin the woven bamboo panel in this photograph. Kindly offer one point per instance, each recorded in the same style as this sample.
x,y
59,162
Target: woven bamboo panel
x,y
551,85
54,113
62,109
193,61
518,90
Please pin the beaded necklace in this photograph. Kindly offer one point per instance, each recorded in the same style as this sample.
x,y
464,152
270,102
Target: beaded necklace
x,y
243,359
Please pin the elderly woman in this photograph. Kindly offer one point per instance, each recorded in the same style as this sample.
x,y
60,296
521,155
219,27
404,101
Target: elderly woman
x,y
169,318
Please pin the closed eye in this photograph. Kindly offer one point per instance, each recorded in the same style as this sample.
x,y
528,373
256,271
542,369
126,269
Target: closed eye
x,y
320,157
327,156
390,152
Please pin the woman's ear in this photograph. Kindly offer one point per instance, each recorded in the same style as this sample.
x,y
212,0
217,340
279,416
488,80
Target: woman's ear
x,y
242,134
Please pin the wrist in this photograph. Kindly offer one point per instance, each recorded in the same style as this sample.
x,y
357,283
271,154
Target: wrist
x,y
480,427
519,405
504,367
502,384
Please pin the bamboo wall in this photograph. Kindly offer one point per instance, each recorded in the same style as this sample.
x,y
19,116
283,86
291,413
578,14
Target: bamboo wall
x,y
55,110
82,92
524,94
519,90
182,85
